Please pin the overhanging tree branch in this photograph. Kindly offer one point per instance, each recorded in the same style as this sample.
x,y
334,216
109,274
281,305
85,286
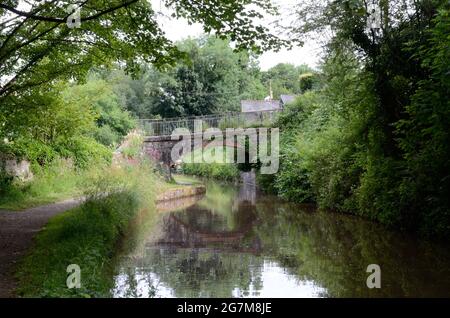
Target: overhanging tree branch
x,y
61,20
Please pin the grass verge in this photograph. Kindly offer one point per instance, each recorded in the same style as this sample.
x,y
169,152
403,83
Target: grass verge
x,y
88,235
56,182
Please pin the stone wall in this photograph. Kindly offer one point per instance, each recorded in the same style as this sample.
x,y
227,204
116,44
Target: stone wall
x,y
181,192
20,169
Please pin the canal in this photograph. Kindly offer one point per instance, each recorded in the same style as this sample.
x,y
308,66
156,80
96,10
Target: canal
x,y
235,242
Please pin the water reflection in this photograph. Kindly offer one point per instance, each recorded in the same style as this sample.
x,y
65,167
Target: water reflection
x,y
233,243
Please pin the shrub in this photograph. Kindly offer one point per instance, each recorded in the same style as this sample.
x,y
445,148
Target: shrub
x,y
98,96
106,136
85,151
220,171
378,197
55,181
26,148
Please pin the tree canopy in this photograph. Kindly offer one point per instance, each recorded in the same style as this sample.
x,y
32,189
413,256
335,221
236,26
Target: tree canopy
x,y
37,45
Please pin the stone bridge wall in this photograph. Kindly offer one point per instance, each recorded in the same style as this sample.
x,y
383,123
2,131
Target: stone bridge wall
x,y
159,148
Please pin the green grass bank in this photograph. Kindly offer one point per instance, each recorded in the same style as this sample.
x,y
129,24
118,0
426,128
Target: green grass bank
x,y
88,235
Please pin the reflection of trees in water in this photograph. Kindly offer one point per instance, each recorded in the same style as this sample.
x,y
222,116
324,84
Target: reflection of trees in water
x,y
208,271
202,272
334,250
247,190
224,258
204,252
224,199
219,199
222,220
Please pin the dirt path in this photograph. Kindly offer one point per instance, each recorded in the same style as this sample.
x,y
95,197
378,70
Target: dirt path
x,y
17,230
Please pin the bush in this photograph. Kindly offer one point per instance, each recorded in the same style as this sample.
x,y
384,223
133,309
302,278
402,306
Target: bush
x,y
266,182
85,151
111,116
220,171
374,141
292,182
57,168
26,148
378,197
106,136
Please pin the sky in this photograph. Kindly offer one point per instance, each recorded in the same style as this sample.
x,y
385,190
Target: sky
x,y
178,29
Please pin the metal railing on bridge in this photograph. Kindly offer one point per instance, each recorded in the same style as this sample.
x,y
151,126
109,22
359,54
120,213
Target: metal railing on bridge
x,y
165,127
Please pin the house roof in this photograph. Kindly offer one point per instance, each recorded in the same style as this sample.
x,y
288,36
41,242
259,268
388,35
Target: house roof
x,y
259,105
286,99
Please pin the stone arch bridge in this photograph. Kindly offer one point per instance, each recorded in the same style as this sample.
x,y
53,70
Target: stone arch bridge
x,y
159,142
159,148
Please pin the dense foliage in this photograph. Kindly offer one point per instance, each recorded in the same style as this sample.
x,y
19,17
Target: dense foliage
x,y
289,79
78,122
375,139
214,78
112,121
41,41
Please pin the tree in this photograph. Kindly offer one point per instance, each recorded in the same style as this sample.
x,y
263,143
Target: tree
x,y
37,46
286,79
112,121
213,78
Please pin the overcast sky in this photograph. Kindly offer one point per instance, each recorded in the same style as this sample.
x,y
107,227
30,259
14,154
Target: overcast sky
x,y
180,29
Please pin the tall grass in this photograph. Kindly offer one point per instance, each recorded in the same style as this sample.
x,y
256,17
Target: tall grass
x,y
88,235
132,146
57,181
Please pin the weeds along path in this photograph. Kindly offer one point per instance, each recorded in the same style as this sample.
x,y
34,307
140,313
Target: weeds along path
x,y
17,230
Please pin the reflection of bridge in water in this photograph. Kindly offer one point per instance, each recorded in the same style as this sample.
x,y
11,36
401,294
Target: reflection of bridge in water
x,y
181,234
186,234
198,227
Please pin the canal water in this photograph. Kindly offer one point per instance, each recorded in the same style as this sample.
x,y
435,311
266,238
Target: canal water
x,y
234,242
